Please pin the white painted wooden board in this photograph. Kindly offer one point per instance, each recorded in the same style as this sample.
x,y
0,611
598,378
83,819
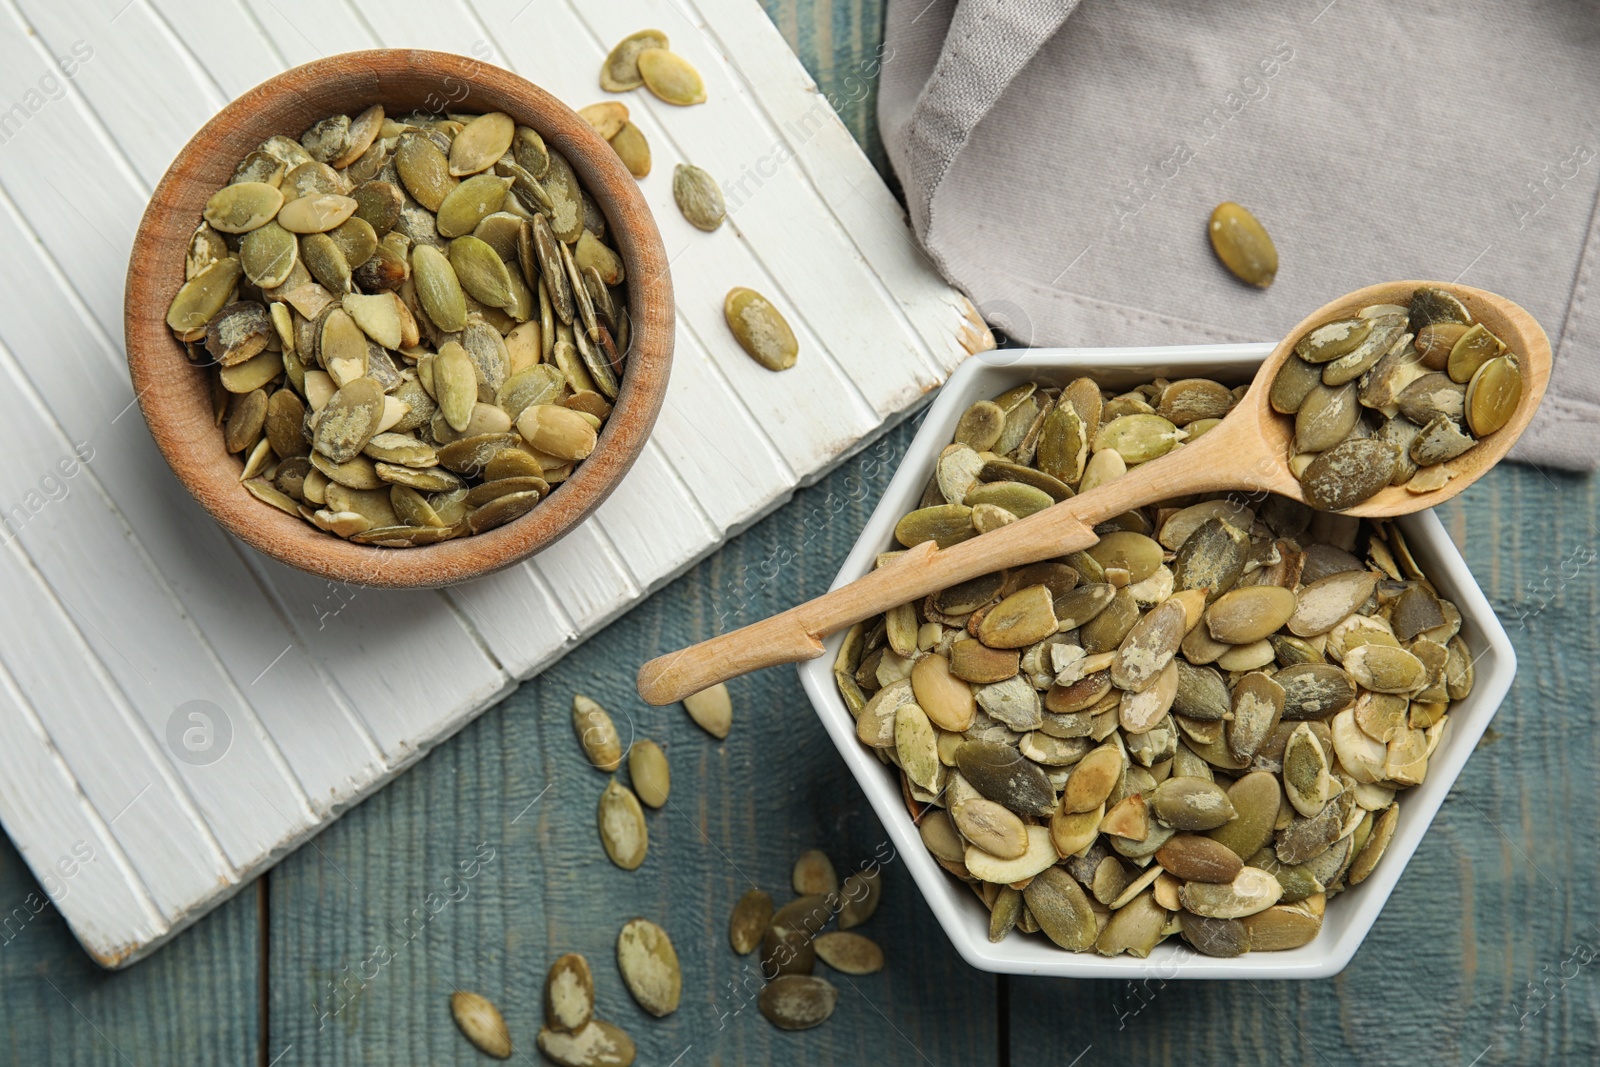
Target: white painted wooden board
x,y
177,712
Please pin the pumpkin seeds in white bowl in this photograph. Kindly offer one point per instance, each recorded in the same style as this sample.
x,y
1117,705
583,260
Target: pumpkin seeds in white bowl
x,y
1235,801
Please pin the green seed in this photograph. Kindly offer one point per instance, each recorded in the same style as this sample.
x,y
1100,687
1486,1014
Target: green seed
x,y
698,196
1493,395
760,329
671,77
1241,242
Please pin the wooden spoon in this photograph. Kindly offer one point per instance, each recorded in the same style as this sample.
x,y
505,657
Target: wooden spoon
x,y
1247,451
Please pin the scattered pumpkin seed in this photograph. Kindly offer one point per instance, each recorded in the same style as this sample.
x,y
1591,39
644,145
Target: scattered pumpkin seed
x,y
760,329
649,966
622,826
670,77
698,196
481,1023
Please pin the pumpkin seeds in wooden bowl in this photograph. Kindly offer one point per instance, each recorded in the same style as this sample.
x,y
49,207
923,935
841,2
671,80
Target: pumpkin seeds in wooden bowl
x,y
460,306
434,342
1202,719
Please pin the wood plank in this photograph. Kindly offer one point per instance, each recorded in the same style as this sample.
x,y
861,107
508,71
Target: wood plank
x,y
148,118
518,616
69,845
61,351
80,200
196,1001
66,702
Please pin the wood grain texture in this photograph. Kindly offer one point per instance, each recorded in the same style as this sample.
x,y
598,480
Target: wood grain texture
x,y
196,1001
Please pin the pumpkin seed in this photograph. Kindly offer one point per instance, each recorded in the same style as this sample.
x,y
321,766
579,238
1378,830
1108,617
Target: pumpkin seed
x,y
596,1044
1199,859
649,966
480,271
1252,890
602,746
670,77
760,329
849,953
650,773
569,994
751,917
203,296
1492,395
242,207
631,147
424,170
1062,909
481,1023
622,828
797,1001
1002,774
620,71
480,143
712,710
1241,242
699,197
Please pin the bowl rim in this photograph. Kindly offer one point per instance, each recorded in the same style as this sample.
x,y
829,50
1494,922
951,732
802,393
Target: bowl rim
x,y
958,912
164,380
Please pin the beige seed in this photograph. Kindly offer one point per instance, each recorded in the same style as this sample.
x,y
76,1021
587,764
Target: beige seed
x,y
631,147
622,826
671,77
569,993
242,207
483,141
596,733
712,710
620,72
597,1044
557,431
649,966
481,1023
650,773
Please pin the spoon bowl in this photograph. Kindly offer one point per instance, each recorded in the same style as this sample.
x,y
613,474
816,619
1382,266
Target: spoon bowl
x,y
1247,451
1506,320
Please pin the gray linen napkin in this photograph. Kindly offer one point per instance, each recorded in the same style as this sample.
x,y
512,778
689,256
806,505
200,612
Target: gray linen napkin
x,y
1061,169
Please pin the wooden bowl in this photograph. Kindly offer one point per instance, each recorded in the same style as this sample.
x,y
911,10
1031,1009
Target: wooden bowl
x,y
175,394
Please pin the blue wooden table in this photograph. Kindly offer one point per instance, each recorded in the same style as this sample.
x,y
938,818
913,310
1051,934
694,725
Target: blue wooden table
x,y
347,952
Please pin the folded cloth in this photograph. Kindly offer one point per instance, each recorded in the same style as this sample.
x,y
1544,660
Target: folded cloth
x,y
1060,161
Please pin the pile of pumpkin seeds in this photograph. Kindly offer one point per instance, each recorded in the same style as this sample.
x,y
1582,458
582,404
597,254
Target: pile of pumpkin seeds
x,y
415,321
795,936
1198,726
1391,396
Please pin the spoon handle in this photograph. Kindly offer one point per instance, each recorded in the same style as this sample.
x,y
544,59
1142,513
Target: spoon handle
x,y
1059,530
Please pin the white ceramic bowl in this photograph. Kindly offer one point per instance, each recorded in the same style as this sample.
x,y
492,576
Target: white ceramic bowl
x,y
1350,915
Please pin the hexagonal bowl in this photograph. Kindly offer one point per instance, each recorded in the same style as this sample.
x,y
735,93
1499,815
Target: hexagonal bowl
x,y
1350,915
